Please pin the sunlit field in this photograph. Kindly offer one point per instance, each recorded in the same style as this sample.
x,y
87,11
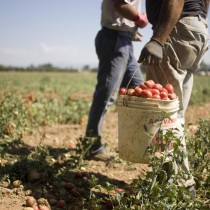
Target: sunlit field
x,y
58,177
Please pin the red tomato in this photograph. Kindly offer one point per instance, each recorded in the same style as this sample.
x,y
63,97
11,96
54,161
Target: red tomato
x,y
134,93
143,86
30,201
156,96
165,99
69,186
43,207
138,91
149,83
155,91
34,207
122,91
164,90
146,94
78,175
158,86
163,94
60,203
109,204
172,96
130,91
169,88
71,146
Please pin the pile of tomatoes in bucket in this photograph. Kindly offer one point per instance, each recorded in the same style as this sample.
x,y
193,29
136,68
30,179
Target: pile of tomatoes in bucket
x,y
150,89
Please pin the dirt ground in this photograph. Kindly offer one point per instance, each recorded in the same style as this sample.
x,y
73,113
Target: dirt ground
x,y
59,136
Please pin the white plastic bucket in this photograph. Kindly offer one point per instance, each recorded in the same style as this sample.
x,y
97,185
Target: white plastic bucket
x,y
139,120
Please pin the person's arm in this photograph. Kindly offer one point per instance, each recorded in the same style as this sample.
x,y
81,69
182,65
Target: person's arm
x,y
207,5
169,16
125,9
130,13
152,53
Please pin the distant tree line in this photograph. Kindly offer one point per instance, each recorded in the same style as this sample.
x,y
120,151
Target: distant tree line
x,y
46,68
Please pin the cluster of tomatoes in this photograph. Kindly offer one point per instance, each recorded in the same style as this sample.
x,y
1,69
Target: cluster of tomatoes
x,y
150,89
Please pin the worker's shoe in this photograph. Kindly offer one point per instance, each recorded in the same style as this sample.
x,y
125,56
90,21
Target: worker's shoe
x,y
92,148
101,154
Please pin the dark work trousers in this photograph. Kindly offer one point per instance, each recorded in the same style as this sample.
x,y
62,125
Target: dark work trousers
x,y
117,65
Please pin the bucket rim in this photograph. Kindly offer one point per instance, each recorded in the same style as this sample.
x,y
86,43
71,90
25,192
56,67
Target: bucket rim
x,y
148,104
136,98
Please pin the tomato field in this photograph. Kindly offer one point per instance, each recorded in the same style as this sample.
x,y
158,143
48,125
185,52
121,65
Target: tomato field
x,y
42,120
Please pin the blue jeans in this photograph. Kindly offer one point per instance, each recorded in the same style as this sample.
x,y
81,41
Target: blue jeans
x,y
117,66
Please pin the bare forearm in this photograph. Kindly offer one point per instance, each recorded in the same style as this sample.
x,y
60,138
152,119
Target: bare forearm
x,y
207,5
126,10
169,15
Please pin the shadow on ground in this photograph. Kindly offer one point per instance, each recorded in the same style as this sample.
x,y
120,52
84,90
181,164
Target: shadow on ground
x,y
54,174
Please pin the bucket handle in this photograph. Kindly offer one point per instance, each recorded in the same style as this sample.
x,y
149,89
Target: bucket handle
x,y
163,74
131,78
152,73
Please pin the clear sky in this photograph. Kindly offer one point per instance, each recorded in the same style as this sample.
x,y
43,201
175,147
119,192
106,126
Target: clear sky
x,y
60,32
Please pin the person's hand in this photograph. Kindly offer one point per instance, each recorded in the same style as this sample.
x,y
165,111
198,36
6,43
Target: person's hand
x,y
137,37
152,53
141,20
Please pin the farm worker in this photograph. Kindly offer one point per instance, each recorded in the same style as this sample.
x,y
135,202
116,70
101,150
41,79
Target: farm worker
x,y
175,50
120,20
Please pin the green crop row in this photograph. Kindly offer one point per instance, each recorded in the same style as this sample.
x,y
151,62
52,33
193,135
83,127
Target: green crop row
x,y
29,99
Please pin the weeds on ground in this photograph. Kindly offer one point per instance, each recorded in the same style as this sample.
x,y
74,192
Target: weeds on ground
x,y
86,145
199,157
20,113
159,190
13,116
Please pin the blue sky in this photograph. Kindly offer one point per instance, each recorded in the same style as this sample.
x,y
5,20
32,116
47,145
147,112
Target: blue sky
x,y
60,32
